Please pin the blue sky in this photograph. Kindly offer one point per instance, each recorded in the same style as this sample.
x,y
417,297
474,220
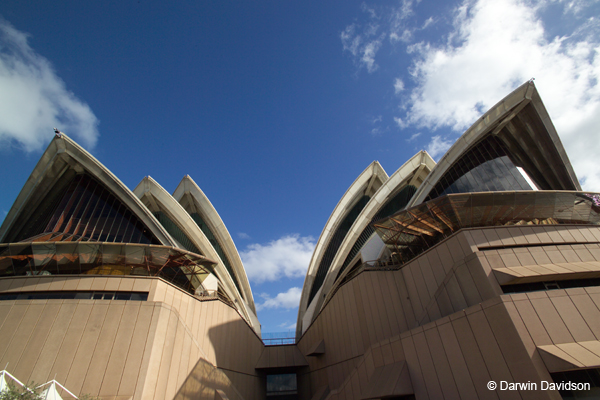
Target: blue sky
x,y
275,107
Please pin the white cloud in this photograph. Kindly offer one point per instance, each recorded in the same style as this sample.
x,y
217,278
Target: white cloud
x,y
428,23
288,257
34,100
497,45
413,136
243,235
400,122
364,41
438,146
363,46
289,299
287,326
398,85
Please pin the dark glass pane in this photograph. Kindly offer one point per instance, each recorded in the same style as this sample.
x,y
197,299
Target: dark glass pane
x,y
485,167
6,265
282,383
22,259
334,243
88,211
139,296
176,232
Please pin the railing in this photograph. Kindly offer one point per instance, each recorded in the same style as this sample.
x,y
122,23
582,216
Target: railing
x,y
277,338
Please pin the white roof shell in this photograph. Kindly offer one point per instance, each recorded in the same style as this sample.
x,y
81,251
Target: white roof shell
x,y
414,171
494,121
368,182
61,155
210,216
156,197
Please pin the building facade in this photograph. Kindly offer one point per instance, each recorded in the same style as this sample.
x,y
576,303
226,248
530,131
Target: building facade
x,y
477,277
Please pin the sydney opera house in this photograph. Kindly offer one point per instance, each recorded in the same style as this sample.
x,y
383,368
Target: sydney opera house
x,y
448,280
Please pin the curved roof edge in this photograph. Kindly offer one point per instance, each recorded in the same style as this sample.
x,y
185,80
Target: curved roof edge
x,y
363,183
149,187
61,154
494,120
212,218
417,167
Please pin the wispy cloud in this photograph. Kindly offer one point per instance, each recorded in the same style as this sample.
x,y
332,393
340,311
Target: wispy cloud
x,y
33,99
243,235
438,146
287,300
398,85
287,325
363,46
413,136
285,257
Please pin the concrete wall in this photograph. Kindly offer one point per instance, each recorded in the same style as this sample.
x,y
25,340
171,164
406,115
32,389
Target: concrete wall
x,y
125,349
445,317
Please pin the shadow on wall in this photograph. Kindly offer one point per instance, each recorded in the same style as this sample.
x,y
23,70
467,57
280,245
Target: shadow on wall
x,y
207,382
234,349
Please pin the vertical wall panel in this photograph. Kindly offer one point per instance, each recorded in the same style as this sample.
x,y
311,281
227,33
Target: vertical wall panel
x,y
11,323
416,375
18,342
175,361
133,364
118,354
103,348
456,359
575,323
36,342
474,359
551,320
490,351
71,340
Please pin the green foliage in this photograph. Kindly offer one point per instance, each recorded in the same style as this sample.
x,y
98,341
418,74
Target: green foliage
x,y
13,392
86,396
